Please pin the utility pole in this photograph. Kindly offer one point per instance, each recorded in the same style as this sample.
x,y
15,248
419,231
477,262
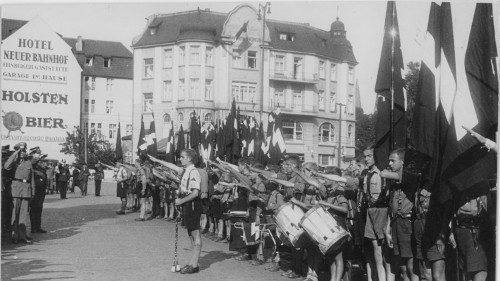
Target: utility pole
x,y
339,148
263,10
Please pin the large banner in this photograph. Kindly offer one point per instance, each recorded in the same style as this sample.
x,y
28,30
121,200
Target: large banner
x,y
41,88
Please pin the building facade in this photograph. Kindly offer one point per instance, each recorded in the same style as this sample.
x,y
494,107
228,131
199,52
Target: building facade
x,y
106,88
202,60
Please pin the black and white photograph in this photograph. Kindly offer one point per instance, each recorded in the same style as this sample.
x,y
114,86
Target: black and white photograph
x,y
282,140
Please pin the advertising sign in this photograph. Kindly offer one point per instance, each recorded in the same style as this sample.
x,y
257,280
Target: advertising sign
x,y
41,88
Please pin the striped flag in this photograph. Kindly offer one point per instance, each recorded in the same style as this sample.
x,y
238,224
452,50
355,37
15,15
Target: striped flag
x,y
150,139
458,86
170,145
141,144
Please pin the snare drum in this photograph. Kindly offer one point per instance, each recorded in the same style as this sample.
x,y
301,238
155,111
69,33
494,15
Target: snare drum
x,y
287,219
237,214
324,229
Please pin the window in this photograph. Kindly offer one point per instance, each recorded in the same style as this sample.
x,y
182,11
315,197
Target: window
x,y
208,117
252,59
92,83
194,57
194,88
326,133
292,130
166,118
87,83
333,102
325,159
208,90
297,68
86,127
279,96
321,99
148,68
182,55
99,127
297,99
167,90
349,133
323,42
180,117
86,105
107,62
112,131
333,72
92,106
182,89
351,75
322,69
244,92
287,36
167,58
153,30
109,106
89,61
92,128
147,105
237,61
109,84
279,64
209,56
350,104
128,130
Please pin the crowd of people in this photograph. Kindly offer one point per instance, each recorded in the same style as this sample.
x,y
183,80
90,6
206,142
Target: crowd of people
x,y
383,224
392,234
27,176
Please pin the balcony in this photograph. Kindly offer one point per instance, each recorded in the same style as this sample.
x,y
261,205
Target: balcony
x,y
297,77
291,108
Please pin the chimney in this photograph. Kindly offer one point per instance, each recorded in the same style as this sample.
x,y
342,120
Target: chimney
x,y
79,44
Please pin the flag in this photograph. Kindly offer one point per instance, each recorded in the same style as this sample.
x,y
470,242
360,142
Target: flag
x,y
220,146
259,140
150,139
181,144
389,85
141,146
118,146
194,132
242,29
457,87
170,150
275,144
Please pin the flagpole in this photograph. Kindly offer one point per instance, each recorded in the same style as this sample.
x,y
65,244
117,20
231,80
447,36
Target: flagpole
x,y
393,34
265,9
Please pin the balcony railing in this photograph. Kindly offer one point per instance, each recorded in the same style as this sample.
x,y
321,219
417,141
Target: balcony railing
x,y
308,78
293,107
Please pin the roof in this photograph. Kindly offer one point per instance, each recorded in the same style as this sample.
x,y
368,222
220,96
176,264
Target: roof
x,y
201,25
121,58
10,26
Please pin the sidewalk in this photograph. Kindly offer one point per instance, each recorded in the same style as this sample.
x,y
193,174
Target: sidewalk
x,y
86,240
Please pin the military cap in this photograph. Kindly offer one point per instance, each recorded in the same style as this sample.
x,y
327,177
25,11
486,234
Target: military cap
x,y
20,145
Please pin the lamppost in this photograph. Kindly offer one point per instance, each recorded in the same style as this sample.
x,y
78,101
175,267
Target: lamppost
x,y
339,148
263,10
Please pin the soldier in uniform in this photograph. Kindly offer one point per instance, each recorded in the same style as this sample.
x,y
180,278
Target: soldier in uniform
x,y
421,208
122,179
7,202
399,231
83,179
62,178
40,178
22,191
98,176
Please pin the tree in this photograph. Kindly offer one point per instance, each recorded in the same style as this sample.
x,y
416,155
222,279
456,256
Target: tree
x,y
97,149
365,130
410,85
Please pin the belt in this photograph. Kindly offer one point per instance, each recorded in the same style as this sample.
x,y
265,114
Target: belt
x,y
21,180
403,216
468,222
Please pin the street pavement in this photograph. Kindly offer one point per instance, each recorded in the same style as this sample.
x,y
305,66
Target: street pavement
x,y
87,240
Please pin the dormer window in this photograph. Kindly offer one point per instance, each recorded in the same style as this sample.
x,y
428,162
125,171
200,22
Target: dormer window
x,y
153,30
107,62
323,42
284,36
89,61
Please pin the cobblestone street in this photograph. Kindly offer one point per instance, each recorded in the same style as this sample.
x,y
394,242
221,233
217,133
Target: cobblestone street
x,y
86,240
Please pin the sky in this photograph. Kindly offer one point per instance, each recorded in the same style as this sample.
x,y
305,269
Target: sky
x,y
364,23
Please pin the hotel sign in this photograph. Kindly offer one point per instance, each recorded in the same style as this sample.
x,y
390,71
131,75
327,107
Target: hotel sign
x,y
41,88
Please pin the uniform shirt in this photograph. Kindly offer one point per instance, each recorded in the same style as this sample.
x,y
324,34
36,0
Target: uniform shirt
x,y
299,183
260,187
23,170
275,201
63,174
337,198
190,180
401,203
423,200
372,184
472,206
122,174
50,173
40,178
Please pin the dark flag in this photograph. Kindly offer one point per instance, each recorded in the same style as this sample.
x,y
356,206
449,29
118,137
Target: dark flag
x,y
389,86
170,150
278,143
141,143
220,146
457,87
259,140
118,146
181,143
194,132
151,139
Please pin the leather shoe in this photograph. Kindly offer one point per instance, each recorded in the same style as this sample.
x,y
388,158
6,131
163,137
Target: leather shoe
x,y
149,218
139,219
190,270
120,212
41,231
26,241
